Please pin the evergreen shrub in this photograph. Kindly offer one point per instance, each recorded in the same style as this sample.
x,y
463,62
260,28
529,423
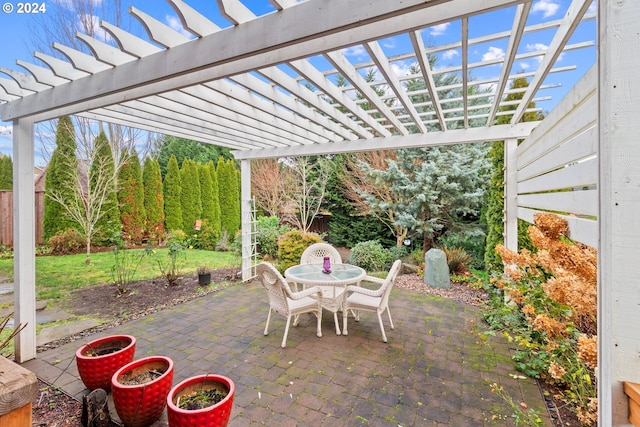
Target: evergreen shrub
x,y
291,246
473,243
268,231
67,242
371,256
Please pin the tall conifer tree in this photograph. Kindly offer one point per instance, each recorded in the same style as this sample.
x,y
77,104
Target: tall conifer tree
x,y
131,199
172,195
191,196
6,173
215,194
229,196
60,178
108,226
206,191
495,198
153,199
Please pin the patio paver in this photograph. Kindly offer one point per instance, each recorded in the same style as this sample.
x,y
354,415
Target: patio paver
x,y
434,371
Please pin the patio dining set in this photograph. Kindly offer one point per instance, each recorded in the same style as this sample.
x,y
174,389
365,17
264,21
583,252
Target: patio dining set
x,y
323,282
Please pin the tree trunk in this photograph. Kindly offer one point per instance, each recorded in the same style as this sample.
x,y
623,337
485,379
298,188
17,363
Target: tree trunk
x,y
88,260
427,243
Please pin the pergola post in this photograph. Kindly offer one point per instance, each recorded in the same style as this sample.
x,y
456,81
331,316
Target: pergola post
x,y
24,286
510,195
619,183
246,215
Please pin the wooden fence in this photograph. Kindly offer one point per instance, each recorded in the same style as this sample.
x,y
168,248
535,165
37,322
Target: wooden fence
x,y
6,217
558,164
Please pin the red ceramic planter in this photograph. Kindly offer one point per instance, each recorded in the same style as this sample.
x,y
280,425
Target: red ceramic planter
x,y
96,371
141,405
212,416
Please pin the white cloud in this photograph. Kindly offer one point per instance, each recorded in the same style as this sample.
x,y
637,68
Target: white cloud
x,y
536,47
524,66
493,53
71,4
401,69
357,51
450,54
547,7
6,130
389,43
439,29
176,24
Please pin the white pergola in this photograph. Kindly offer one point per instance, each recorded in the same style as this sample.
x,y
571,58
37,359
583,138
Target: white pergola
x,y
258,87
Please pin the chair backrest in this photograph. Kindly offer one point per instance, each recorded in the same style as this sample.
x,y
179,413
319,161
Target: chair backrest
x,y
315,254
276,286
389,282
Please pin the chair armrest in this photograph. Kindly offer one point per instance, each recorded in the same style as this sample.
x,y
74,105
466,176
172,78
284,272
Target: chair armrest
x,y
365,291
307,292
373,279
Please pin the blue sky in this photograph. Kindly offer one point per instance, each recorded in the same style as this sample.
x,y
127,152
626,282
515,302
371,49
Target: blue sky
x,y
16,31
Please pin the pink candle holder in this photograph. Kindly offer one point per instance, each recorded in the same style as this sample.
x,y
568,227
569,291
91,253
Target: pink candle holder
x,y
326,265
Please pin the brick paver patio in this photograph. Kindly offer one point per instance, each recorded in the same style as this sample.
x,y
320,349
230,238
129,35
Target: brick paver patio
x,y
434,371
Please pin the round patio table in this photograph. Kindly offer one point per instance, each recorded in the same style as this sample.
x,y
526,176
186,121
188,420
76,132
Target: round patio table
x,y
333,284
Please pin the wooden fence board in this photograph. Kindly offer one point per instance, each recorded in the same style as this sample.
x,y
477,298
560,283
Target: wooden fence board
x,y
6,217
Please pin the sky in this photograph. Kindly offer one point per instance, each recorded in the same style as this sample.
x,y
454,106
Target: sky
x,y
20,24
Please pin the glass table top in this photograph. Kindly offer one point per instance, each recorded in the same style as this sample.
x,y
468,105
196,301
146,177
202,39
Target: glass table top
x,y
313,273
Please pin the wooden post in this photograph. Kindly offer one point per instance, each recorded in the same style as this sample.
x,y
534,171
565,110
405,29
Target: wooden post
x,y
24,239
510,195
245,196
19,389
619,181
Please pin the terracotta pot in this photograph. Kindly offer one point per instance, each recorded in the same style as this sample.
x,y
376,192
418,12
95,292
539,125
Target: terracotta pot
x,y
140,405
96,368
216,415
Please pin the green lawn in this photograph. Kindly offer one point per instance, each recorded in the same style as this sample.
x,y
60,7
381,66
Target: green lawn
x,y
56,276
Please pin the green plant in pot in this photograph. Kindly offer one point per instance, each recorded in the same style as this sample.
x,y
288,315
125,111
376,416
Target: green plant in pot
x,y
203,400
204,275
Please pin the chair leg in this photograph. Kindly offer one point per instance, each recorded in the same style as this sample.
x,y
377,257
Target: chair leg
x,y
390,321
286,332
384,336
345,315
319,326
266,327
335,320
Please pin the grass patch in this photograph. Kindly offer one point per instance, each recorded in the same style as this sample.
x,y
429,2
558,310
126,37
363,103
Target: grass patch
x,y
57,276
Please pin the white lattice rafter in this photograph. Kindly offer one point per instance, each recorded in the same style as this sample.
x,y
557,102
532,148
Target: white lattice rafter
x,y
576,11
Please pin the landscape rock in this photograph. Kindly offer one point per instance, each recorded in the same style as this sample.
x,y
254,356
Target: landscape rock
x,y
436,269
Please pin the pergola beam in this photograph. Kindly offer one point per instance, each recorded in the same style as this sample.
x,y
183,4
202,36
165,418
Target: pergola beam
x,y
458,136
236,50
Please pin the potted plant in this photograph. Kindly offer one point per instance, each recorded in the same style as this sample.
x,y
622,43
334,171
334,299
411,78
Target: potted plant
x,y
140,390
99,359
204,275
203,400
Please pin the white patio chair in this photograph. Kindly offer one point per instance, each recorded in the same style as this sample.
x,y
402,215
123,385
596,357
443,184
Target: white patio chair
x,y
377,301
287,303
315,254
